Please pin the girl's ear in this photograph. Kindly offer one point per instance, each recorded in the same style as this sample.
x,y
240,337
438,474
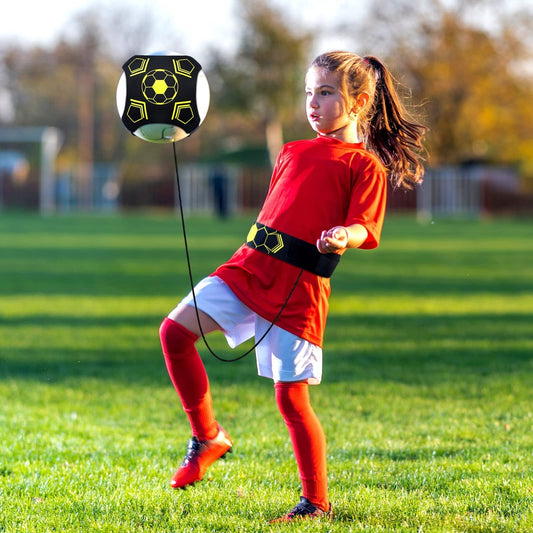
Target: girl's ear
x,y
360,101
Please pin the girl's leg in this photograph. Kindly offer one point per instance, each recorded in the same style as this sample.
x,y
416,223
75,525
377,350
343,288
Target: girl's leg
x,y
189,378
188,375
308,440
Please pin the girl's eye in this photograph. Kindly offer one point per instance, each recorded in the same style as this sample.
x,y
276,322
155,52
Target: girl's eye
x,y
325,92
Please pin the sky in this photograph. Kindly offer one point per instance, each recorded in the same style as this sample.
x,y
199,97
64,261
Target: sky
x,y
207,21
197,25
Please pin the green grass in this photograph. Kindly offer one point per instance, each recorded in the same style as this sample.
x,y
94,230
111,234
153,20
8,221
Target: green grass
x,y
427,398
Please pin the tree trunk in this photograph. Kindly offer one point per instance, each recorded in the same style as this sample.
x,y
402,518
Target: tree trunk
x,y
274,138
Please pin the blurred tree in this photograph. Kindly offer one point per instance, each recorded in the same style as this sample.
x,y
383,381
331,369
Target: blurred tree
x,y
265,78
471,63
72,84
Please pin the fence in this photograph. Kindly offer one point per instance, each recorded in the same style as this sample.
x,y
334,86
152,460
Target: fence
x,y
450,191
446,191
103,196
226,189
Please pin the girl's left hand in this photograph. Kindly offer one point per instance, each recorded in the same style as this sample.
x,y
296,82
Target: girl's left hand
x,y
333,240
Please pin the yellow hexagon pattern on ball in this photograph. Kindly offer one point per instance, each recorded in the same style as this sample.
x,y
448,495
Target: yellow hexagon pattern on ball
x,y
160,86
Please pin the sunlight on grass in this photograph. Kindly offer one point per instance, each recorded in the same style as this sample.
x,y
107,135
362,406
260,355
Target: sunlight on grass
x,y
426,400
449,304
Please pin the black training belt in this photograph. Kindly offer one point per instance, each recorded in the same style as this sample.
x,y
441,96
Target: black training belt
x,y
292,250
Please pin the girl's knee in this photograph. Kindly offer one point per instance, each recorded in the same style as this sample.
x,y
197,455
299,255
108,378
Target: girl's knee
x,y
292,398
174,337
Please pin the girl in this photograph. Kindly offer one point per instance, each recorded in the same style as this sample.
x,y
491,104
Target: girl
x,y
326,195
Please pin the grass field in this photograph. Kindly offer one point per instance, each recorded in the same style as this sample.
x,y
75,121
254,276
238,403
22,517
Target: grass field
x,y
427,399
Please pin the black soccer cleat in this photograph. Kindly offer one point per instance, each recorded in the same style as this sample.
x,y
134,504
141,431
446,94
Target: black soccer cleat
x,y
302,511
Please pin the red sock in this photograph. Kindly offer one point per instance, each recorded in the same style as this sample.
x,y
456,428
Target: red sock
x,y
308,440
189,377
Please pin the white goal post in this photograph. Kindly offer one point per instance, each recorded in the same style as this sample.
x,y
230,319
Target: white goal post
x,y
50,139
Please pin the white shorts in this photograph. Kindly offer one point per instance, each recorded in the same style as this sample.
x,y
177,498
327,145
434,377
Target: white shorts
x,y
281,356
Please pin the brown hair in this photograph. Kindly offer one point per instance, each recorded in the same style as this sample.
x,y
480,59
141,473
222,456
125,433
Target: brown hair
x,y
383,122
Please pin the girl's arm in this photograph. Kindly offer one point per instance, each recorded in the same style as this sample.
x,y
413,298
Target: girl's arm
x,y
341,237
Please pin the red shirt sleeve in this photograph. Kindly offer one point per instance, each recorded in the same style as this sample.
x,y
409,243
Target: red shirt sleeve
x,y
368,199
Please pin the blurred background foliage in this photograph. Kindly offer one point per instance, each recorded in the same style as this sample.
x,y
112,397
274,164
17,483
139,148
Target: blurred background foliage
x,y
468,66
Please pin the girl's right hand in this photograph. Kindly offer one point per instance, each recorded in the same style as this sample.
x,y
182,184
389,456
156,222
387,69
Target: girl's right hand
x,y
333,240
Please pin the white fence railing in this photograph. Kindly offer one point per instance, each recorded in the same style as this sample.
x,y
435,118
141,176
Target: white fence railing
x,y
449,191
203,185
462,191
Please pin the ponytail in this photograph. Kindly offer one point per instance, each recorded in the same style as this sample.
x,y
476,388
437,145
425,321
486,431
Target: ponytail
x,y
391,134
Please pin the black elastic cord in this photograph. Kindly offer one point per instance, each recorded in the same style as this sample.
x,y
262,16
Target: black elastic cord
x,y
192,282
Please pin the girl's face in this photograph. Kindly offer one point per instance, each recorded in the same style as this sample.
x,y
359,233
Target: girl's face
x,y
327,110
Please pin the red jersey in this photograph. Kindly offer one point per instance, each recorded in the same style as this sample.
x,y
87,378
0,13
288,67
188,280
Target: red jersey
x,y
316,184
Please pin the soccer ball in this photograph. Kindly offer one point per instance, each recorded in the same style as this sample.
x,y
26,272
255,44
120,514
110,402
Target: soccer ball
x,y
163,97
